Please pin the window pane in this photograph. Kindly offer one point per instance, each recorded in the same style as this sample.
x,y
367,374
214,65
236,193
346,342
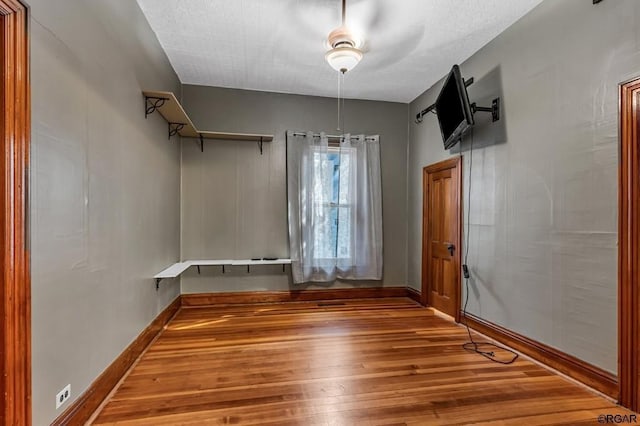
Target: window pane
x,y
345,173
323,173
332,174
344,233
325,233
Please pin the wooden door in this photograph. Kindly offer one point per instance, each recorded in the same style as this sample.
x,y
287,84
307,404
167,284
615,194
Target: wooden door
x,y
441,237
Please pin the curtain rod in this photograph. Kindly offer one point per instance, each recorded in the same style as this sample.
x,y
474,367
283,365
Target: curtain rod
x,y
317,135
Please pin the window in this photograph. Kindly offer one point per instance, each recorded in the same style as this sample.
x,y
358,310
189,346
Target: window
x,y
332,186
334,197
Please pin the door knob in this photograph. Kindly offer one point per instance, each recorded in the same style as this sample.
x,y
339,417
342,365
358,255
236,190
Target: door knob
x,y
451,248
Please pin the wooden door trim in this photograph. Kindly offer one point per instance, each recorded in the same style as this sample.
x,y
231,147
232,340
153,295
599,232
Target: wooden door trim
x,y
15,302
628,252
455,164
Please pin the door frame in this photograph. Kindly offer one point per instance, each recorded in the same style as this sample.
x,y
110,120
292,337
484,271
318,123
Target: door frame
x,y
628,250
15,293
455,164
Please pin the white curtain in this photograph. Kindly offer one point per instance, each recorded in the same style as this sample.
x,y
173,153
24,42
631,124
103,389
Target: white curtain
x,y
335,208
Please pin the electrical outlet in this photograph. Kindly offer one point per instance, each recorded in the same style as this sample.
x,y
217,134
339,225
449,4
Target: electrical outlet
x,y
63,395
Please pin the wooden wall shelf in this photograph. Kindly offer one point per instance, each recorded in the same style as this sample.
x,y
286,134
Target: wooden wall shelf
x,y
179,123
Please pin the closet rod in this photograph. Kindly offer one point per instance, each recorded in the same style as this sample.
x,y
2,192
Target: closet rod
x,y
317,135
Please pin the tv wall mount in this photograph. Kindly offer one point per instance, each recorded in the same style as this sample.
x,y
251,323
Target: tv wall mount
x,y
494,109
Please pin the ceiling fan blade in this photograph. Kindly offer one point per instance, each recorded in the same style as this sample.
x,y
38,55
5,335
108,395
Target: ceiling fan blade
x,y
363,16
312,20
387,50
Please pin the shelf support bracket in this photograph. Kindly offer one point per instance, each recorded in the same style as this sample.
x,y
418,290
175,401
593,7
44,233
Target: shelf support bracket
x,y
284,268
198,266
174,128
260,144
223,269
151,104
158,283
201,143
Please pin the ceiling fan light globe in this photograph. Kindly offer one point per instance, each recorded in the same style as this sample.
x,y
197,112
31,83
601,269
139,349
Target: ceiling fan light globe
x,y
343,59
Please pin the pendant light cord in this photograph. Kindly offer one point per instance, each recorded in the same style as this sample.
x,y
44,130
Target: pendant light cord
x,y
339,92
341,79
342,100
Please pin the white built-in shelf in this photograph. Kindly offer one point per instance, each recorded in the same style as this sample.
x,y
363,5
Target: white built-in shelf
x,y
179,122
242,262
262,262
173,271
210,262
176,269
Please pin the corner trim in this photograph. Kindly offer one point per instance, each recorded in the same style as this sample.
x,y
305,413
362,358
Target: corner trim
x,y
15,278
628,253
86,404
414,295
589,374
248,297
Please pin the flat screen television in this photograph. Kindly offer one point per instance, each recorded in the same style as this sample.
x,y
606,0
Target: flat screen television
x,y
453,109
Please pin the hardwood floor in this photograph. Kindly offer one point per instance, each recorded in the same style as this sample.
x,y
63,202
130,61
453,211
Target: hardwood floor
x,y
357,362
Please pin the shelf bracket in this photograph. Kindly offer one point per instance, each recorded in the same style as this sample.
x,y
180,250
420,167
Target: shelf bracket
x,y
198,266
260,145
151,104
284,268
201,143
223,269
174,128
248,269
158,283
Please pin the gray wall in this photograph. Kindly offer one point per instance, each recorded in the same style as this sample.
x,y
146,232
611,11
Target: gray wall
x,y
105,188
543,236
234,203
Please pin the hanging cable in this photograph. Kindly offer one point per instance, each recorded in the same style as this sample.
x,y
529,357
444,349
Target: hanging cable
x,y
472,345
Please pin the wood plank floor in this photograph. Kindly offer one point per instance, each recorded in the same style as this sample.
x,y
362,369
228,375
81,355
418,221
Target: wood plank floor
x,y
362,362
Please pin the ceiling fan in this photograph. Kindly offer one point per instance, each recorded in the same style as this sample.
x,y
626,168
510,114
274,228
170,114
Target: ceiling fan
x,y
386,31
345,53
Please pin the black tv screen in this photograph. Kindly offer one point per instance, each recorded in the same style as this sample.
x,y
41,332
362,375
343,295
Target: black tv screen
x,y
453,109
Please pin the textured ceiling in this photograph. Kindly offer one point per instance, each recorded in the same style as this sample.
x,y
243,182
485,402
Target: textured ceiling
x,y
279,45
